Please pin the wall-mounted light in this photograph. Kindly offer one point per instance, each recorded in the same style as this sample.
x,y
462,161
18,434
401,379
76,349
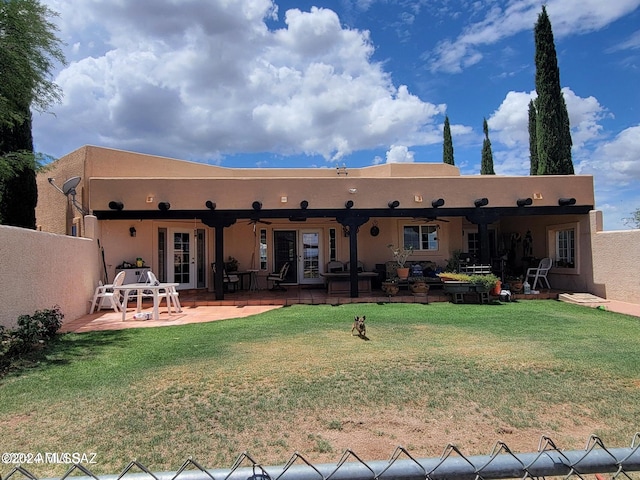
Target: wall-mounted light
x,y
437,202
149,199
256,205
132,231
417,198
304,204
353,191
113,205
537,196
563,202
523,202
481,202
348,204
393,203
210,205
164,206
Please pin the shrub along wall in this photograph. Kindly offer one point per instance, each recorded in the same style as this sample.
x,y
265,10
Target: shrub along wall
x,y
40,270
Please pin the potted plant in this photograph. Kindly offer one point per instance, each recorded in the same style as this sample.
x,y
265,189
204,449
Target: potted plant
x,y
400,255
484,283
454,277
515,284
418,285
390,287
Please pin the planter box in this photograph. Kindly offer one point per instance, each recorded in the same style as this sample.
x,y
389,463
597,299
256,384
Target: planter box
x,y
459,289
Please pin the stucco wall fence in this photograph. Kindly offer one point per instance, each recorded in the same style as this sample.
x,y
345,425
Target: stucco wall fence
x,y
40,270
616,262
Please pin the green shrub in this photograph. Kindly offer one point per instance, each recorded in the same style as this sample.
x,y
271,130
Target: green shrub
x,y
32,331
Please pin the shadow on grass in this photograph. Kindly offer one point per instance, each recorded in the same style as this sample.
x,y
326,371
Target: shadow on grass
x,y
64,349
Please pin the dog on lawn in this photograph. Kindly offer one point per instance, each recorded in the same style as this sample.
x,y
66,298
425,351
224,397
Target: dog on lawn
x,y
359,327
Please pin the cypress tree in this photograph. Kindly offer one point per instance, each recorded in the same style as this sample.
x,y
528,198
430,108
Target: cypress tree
x,y
447,148
18,189
487,155
28,50
553,135
533,144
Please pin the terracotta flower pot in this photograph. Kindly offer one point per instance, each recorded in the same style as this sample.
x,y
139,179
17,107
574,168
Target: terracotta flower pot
x,y
403,273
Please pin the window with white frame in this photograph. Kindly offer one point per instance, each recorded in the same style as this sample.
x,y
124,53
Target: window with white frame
x,y
563,246
421,237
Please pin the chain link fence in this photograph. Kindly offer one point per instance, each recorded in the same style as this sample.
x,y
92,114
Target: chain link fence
x,y
548,461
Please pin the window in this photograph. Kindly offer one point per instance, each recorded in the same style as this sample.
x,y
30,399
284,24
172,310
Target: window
x,y
263,249
332,245
564,247
421,237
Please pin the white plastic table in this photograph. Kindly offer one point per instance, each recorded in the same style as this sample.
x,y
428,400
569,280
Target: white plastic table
x,y
140,288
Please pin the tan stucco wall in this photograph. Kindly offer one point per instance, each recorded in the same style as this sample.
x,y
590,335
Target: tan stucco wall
x,y
54,211
192,193
616,262
39,270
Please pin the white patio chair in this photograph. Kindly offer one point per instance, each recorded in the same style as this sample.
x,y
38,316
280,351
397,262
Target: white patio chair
x,y
170,294
540,273
278,277
105,295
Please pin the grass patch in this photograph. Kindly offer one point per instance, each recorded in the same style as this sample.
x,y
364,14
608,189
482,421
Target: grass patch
x,y
295,379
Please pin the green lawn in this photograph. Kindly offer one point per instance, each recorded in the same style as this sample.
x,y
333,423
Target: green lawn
x,y
294,379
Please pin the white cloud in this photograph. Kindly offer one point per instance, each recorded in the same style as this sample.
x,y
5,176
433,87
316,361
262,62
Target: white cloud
x,y
509,124
568,17
618,161
399,154
202,79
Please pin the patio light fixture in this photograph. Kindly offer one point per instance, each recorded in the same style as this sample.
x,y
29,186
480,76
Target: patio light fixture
x,y
132,231
522,202
348,204
164,206
437,203
304,204
563,202
256,205
393,203
113,205
210,205
481,202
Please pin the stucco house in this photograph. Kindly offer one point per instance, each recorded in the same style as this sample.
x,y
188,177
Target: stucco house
x,y
182,217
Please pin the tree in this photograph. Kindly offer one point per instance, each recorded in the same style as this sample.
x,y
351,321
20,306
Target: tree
x,y
28,50
533,143
553,134
447,149
634,220
487,155
18,190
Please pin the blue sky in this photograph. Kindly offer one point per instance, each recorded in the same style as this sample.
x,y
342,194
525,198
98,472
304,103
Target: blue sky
x,y
261,83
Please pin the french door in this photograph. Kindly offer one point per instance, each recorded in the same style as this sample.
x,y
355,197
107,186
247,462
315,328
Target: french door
x,y
186,258
310,259
303,250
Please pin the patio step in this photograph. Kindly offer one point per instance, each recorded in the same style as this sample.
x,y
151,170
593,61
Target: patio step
x,y
586,299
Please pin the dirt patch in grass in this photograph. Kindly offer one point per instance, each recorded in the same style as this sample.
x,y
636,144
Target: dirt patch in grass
x,y
375,434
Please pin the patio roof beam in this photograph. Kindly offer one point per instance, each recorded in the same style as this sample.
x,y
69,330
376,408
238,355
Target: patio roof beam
x,y
219,215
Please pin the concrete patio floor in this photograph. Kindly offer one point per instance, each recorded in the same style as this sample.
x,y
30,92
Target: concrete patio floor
x,y
201,306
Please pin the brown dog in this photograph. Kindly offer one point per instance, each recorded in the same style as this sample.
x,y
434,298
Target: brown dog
x,y
359,326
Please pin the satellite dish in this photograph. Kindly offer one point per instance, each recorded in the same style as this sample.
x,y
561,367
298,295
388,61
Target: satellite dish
x,y
69,187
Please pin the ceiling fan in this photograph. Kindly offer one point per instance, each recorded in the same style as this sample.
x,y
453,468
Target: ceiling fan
x,y
430,219
253,221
